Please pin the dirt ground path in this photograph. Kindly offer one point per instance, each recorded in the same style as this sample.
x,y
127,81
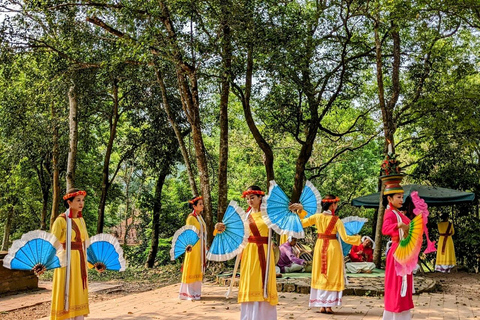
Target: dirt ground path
x,y
464,286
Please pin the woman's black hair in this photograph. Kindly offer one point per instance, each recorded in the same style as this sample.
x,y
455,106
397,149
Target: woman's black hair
x,y
257,188
326,205
385,199
72,190
190,205
444,216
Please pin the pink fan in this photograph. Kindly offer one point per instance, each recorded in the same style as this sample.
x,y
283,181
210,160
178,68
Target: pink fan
x,y
421,207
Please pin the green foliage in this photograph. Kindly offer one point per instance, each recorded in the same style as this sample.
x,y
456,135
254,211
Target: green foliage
x,y
313,69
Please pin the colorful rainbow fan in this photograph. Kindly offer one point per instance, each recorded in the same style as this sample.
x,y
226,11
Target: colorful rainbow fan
x,y
230,243
104,252
408,249
36,250
277,216
183,240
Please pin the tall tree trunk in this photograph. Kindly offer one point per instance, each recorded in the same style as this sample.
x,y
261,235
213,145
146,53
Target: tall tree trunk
x,y
178,133
45,195
127,206
157,209
106,163
188,87
8,225
244,97
73,137
387,109
303,158
226,72
56,171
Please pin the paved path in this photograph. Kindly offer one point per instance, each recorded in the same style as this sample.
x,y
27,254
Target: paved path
x,y
164,304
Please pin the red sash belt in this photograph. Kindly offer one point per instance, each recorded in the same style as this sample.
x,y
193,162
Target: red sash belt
x,y
446,235
396,239
326,237
78,245
259,241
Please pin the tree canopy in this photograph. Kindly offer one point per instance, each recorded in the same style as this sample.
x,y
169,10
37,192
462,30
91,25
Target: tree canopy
x,y
173,99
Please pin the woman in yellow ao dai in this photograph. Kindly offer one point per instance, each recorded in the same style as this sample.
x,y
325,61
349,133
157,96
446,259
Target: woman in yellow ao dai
x,y
328,280
446,260
194,263
253,268
78,285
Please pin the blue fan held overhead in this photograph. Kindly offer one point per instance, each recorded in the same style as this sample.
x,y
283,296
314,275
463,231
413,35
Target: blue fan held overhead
x,y
37,251
229,243
104,253
310,199
183,240
352,225
277,216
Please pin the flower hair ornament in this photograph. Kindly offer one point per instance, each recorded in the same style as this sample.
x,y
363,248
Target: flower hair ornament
x,y
255,192
74,194
334,200
195,200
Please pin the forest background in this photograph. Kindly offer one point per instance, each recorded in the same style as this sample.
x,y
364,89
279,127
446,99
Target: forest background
x,y
146,103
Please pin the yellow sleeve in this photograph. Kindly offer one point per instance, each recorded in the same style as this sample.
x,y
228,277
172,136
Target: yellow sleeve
x,y
310,221
215,232
191,221
452,231
302,214
353,240
59,229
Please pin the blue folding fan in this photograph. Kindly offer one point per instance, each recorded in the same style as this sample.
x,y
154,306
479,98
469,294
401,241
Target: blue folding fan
x,y
310,199
230,242
104,251
36,250
183,239
276,214
353,225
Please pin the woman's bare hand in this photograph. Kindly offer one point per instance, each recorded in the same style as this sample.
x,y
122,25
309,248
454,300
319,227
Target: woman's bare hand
x,y
220,227
295,207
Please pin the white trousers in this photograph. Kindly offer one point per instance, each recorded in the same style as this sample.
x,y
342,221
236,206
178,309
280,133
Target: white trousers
x,y
257,310
404,315
324,298
190,291
356,267
294,268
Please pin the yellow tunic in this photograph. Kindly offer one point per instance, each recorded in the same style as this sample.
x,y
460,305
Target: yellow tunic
x,y
334,280
78,297
192,265
250,288
448,258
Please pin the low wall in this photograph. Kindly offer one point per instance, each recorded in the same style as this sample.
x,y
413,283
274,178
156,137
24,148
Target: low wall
x,y
15,280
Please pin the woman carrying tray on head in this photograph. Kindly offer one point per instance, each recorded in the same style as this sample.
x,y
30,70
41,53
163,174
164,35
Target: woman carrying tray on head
x,y
193,267
256,271
327,270
398,289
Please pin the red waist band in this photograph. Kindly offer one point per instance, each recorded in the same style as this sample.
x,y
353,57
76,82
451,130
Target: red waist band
x,y
258,240
327,236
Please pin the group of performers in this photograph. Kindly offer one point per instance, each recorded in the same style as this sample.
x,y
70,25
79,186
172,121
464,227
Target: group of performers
x,y
256,272
257,289
257,293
